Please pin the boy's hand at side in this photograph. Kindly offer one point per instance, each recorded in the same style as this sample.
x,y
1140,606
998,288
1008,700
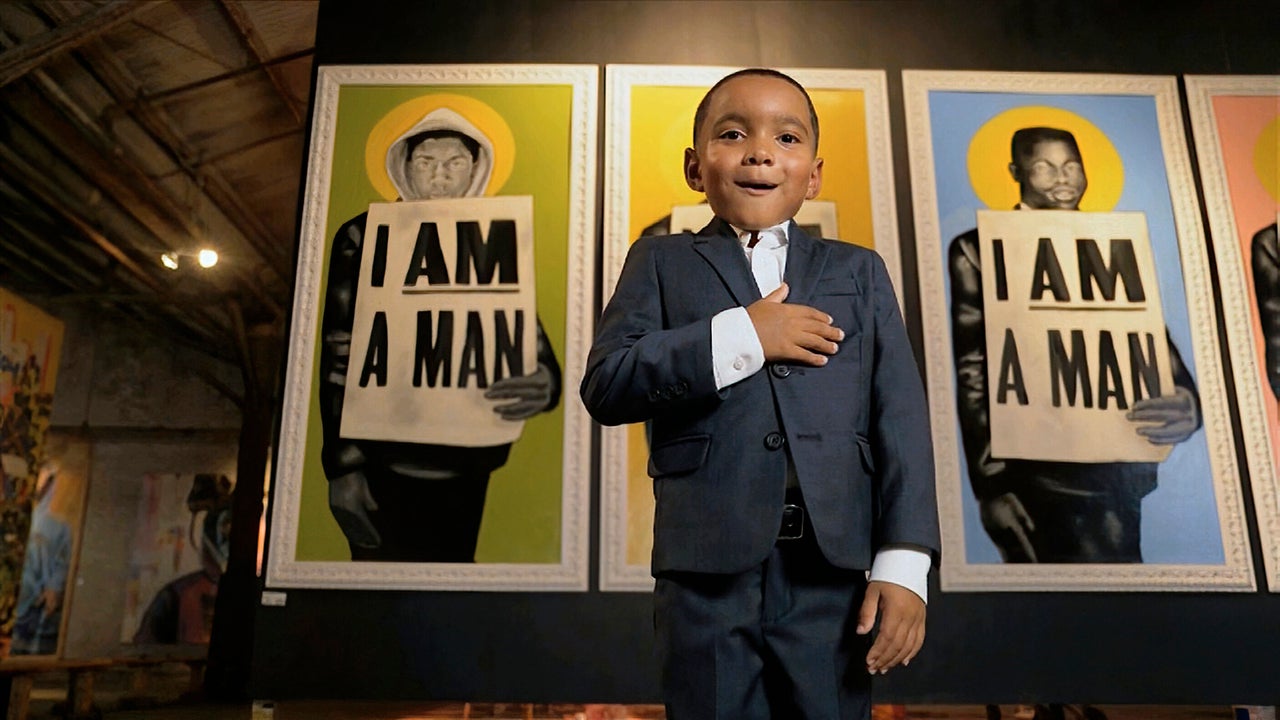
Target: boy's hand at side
x,y
796,333
902,614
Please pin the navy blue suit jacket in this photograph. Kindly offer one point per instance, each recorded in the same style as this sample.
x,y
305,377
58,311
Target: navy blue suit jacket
x,y
857,429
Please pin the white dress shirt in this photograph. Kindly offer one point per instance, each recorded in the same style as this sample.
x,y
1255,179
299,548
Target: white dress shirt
x,y
736,354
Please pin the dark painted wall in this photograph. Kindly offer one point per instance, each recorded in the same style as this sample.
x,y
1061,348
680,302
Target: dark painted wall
x,y
982,647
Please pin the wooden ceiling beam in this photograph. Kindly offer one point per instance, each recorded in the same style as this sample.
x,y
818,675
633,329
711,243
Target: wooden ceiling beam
x,y
68,266
38,188
130,189
119,85
26,263
162,96
208,159
258,51
53,286
34,52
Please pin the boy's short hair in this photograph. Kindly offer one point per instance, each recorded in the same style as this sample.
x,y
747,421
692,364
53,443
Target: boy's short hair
x,y
467,141
1027,138
700,115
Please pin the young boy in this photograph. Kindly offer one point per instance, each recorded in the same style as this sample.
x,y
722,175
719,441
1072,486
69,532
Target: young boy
x,y
790,440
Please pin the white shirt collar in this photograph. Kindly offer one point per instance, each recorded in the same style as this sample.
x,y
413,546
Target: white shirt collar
x,y
770,237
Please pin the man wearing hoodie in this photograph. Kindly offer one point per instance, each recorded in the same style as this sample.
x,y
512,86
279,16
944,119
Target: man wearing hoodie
x,y
400,501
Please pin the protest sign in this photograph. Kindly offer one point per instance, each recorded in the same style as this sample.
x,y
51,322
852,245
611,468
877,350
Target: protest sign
x,y
445,308
1075,334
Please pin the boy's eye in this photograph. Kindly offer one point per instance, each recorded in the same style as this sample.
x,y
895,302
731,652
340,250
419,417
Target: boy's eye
x,y
731,135
788,138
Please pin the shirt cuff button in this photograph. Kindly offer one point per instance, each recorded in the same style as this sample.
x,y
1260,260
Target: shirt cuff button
x,y
739,363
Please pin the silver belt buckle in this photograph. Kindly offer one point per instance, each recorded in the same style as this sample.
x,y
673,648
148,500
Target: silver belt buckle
x,y
792,523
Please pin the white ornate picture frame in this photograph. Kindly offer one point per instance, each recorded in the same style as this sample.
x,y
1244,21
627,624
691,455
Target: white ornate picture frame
x,y
648,124
1193,532
1235,121
541,121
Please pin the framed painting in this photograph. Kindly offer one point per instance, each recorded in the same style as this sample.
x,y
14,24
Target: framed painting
x,y
648,124
181,537
1236,123
38,541
52,549
431,438
1080,422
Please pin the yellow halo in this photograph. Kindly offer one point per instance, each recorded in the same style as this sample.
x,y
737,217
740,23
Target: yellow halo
x,y
1266,156
407,114
988,157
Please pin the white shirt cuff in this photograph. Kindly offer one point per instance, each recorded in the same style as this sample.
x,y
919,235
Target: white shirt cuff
x,y
903,566
736,353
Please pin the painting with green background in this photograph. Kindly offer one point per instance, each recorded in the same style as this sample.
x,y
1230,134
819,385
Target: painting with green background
x,y
522,515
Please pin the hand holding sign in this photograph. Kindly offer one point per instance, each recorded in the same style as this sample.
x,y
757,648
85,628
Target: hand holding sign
x,y
532,394
1175,416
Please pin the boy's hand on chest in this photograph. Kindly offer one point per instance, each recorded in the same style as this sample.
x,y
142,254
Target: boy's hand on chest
x,y
793,333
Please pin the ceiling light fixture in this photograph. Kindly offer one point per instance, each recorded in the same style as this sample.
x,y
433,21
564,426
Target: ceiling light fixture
x,y
205,258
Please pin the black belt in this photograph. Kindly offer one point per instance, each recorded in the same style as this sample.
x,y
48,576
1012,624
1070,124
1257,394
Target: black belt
x,y
792,527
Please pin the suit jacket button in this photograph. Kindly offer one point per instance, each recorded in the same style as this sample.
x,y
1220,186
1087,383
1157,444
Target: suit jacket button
x,y
780,371
774,440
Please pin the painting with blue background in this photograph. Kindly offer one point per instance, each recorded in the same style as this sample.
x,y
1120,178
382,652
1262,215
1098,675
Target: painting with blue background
x,y
1179,519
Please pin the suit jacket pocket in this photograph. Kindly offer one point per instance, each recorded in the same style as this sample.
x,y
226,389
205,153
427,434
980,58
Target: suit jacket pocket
x,y
837,286
678,456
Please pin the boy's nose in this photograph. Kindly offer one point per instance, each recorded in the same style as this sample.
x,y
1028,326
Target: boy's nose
x,y
758,155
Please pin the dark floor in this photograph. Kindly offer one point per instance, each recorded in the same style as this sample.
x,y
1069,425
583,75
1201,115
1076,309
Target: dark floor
x,y
299,710
163,700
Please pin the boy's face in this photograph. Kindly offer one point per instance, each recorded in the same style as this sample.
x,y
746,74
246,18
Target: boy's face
x,y
755,154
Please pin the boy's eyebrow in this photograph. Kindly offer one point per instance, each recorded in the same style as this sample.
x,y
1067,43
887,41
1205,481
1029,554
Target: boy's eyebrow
x,y
781,119
793,120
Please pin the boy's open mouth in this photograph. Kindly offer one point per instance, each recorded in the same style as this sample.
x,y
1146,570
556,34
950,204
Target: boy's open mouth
x,y
762,186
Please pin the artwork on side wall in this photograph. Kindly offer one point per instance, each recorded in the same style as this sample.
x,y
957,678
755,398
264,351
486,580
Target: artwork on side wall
x,y
1236,123
649,123
443,307
30,346
1079,415
181,537
52,548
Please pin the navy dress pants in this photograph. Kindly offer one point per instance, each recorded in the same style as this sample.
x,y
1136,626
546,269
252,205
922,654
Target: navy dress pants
x,y
776,642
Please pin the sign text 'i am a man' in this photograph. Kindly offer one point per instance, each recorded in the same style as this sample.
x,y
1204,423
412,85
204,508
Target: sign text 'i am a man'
x,y
446,306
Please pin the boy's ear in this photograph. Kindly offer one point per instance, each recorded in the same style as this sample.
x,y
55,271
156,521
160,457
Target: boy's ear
x,y
815,180
692,171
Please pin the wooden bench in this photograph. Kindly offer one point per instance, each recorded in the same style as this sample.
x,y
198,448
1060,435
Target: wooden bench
x,y
17,676
140,670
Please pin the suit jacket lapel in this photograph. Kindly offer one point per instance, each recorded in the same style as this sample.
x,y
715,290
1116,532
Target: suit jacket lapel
x,y
805,259
719,245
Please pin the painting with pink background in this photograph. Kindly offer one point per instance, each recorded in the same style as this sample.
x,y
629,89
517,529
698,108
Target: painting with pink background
x,y
1248,127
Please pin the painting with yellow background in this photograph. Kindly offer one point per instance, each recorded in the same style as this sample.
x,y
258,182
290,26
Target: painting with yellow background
x,y
661,129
